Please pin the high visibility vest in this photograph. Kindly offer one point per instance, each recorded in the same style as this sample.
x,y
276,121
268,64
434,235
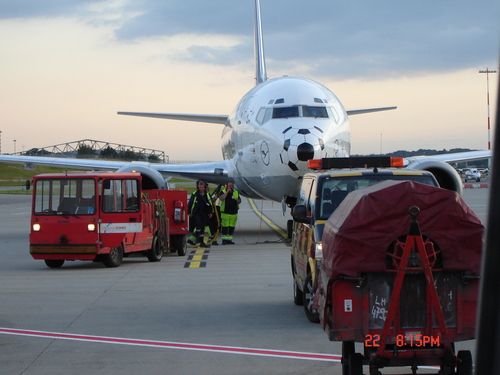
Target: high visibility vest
x,y
235,196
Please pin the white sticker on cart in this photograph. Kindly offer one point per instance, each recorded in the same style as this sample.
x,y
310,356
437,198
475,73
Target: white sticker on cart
x,y
120,227
348,305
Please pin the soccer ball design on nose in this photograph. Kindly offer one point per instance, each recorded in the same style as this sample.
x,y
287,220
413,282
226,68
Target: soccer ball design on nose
x,y
301,145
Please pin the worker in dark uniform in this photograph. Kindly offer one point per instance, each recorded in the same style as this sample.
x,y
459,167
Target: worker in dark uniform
x,y
229,204
214,223
200,211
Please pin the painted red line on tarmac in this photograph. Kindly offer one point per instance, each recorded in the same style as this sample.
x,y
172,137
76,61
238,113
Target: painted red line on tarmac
x,y
477,185
174,345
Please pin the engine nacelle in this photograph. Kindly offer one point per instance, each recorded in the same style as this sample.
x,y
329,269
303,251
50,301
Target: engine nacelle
x,y
151,178
445,174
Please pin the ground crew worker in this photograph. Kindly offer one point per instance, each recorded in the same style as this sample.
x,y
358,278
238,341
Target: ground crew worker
x,y
214,223
200,211
229,204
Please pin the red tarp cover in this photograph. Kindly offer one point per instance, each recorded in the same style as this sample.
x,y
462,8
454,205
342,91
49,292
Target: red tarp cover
x,y
358,233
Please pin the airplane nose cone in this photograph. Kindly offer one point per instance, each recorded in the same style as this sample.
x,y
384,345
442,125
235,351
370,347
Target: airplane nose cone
x,y
305,151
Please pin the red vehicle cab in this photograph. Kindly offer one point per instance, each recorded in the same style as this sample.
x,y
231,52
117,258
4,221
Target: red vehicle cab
x,y
103,216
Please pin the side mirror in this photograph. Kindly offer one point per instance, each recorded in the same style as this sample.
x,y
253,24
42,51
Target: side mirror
x,y
299,214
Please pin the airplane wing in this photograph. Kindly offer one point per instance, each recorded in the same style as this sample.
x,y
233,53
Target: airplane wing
x,y
214,119
453,157
214,172
352,112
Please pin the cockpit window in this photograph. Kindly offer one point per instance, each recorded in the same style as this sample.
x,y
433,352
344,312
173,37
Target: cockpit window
x,y
266,113
285,112
310,111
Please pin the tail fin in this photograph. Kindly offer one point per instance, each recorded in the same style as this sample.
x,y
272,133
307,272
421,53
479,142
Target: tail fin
x,y
260,62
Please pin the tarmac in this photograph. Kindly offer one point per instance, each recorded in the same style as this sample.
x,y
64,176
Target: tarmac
x,y
234,315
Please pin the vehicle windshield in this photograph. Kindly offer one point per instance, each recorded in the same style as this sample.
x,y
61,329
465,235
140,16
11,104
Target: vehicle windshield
x,y
333,190
65,197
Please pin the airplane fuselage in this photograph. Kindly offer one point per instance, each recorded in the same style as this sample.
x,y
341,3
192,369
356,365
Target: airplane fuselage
x,y
275,128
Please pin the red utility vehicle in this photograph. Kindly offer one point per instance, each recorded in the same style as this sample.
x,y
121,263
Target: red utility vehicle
x,y
104,216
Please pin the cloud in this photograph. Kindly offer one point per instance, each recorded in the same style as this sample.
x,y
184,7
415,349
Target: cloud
x,y
340,39
46,8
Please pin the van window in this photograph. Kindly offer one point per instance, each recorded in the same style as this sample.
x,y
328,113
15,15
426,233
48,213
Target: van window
x,y
65,197
120,196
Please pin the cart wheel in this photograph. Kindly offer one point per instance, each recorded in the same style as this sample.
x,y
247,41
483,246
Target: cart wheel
x,y
308,298
156,252
355,363
114,258
464,362
54,263
347,352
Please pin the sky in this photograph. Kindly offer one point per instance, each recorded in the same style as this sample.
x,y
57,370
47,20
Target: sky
x,y
67,67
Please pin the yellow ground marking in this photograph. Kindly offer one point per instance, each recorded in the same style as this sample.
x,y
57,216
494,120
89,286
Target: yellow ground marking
x,y
194,265
266,220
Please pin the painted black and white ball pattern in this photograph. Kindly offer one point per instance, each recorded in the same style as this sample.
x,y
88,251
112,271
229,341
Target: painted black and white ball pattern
x,y
301,145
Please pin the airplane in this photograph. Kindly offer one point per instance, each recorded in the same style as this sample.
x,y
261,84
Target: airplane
x,y
276,127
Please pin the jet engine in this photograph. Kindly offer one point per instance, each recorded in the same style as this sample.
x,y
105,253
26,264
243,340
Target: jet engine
x,y
445,174
151,178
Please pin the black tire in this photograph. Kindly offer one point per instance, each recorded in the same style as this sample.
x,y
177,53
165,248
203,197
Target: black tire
x,y
355,363
464,362
54,263
156,252
178,243
347,352
308,297
298,296
289,229
114,258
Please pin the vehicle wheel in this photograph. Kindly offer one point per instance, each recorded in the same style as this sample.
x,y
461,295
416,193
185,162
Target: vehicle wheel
x,y
464,362
355,363
54,263
179,243
298,296
289,229
347,352
114,258
156,251
478,179
308,299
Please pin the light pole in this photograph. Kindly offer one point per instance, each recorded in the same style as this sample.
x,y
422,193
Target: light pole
x,y
487,71
14,146
0,141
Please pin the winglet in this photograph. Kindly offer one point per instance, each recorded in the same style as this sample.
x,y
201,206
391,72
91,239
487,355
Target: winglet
x,y
260,62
